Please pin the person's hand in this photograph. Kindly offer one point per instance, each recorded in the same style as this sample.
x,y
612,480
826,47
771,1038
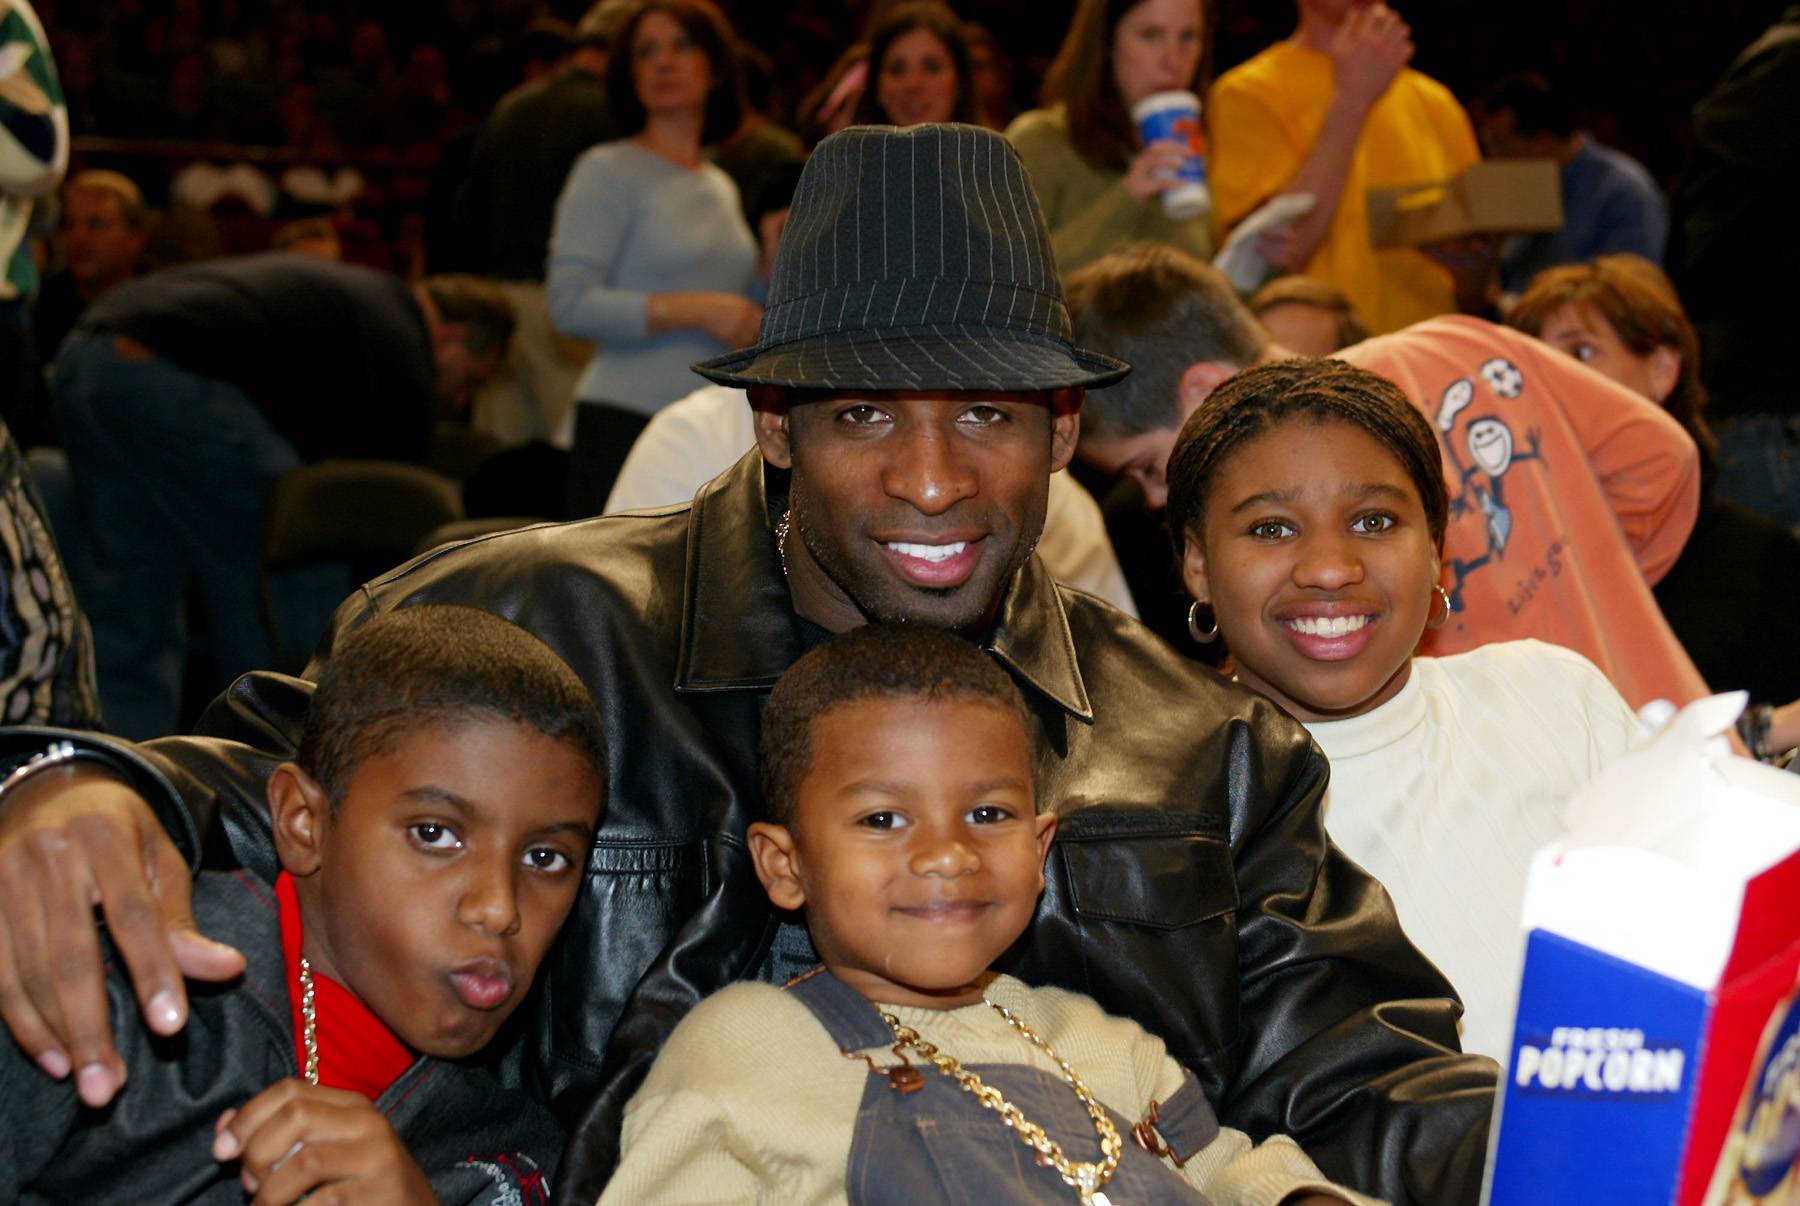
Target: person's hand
x,y
297,1140
1154,170
1367,52
732,320
72,839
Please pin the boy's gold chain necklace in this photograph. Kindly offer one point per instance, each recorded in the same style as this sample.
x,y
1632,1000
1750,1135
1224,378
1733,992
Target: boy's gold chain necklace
x,y
1085,1178
309,1030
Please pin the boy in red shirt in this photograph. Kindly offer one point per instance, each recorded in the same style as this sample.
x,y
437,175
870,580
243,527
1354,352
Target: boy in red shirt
x,y
433,832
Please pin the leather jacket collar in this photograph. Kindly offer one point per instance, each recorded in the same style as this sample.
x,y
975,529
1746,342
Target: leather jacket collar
x,y
739,630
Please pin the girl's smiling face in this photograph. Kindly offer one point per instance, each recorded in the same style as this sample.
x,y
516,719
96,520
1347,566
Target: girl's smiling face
x,y
1316,557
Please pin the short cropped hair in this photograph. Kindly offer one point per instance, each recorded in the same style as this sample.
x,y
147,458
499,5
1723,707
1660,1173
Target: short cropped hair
x,y
435,665
1161,310
702,21
876,661
117,185
1311,291
479,305
1258,399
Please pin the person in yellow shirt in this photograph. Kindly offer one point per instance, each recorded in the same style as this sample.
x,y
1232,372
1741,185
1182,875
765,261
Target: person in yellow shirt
x,y
1334,111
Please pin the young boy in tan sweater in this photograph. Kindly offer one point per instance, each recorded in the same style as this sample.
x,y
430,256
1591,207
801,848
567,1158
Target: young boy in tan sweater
x,y
899,781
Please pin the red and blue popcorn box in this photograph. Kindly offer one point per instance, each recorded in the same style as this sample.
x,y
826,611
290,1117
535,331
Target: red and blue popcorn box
x,y
1655,1055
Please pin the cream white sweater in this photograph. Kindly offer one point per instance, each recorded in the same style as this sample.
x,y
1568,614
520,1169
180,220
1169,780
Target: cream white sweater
x,y
1446,791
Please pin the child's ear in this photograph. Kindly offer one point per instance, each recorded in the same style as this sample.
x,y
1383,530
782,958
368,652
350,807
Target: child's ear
x,y
777,864
1046,833
1193,569
300,810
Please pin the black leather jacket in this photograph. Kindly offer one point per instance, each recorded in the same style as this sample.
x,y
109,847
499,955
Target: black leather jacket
x,y
1191,885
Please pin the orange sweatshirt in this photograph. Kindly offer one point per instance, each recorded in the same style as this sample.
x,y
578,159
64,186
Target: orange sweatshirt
x,y
1569,496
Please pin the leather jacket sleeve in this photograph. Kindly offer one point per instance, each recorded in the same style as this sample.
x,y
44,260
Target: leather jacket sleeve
x,y
1348,1038
207,789
714,949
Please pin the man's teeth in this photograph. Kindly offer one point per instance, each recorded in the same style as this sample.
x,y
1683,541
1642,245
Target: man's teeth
x,y
929,552
1327,626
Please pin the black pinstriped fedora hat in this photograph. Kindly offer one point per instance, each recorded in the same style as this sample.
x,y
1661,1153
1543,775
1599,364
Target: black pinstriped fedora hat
x,y
915,259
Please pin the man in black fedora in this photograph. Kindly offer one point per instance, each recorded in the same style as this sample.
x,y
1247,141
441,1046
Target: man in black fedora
x,y
915,385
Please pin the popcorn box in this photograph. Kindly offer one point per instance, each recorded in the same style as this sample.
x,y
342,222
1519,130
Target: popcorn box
x,y
1656,1045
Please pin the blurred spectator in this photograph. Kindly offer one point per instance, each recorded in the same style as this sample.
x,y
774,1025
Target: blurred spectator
x,y
104,232
545,47
46,648
308,236
759,148
1334,111
1307,316
525,149
34,152
184,394
1620,316
1609,201
650,257
990,77
420,111
831,105
1100,188
81,92
504,209
1735,228
918,68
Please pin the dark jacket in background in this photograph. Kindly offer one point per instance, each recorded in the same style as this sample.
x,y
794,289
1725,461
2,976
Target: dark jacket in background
x,y
1734,226
336,356
476,1141
1191,886
1727,597
516,171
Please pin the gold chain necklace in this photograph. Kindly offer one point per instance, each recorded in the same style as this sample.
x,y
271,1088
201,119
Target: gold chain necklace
x,y
309,1031
1085,1178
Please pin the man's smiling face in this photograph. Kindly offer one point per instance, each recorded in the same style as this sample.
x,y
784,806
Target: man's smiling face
x,y
911,505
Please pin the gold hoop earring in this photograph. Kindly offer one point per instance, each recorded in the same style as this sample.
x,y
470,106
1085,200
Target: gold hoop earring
x,y
1201,637
1443,619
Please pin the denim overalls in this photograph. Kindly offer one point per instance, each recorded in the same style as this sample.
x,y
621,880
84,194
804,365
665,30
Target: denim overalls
x,y
938,1144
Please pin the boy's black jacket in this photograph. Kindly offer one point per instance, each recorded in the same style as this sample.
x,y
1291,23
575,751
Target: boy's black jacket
x,y
477,1141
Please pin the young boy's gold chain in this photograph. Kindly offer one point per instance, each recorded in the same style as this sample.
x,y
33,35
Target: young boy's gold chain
x,y
309,1030
1085,1178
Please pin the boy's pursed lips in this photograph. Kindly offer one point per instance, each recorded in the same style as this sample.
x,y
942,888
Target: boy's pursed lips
x,y
484,983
